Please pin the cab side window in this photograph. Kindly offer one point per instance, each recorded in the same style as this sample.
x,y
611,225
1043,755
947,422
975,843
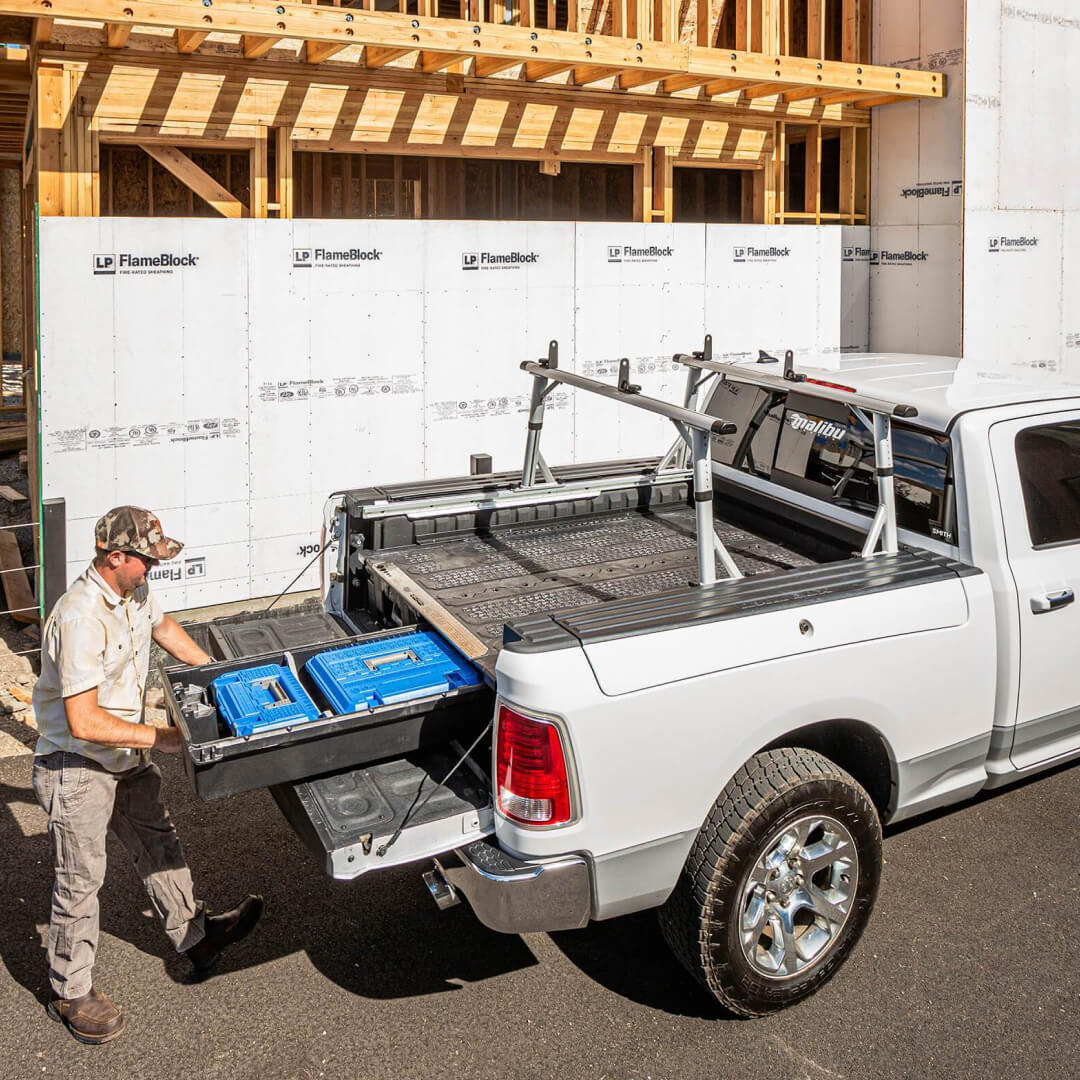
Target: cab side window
x,y
1048,457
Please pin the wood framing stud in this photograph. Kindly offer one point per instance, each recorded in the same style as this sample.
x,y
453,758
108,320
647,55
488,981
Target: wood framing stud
x,y
43,29
202,183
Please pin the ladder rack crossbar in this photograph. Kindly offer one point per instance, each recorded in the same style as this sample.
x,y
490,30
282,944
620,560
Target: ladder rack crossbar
x,y
801,385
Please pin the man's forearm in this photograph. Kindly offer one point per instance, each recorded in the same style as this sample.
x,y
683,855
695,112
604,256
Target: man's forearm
x,y
99,726
174,639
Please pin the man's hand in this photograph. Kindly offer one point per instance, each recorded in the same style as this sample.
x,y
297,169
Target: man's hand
x,y
168,740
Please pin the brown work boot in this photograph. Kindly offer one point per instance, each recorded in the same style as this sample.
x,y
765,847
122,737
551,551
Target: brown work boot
x,y
92,1018
224,930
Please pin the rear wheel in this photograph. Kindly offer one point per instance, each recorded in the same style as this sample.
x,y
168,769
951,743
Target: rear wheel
x,y
779,883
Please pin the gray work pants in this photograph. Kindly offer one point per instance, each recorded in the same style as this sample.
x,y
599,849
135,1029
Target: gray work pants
x,y
84,800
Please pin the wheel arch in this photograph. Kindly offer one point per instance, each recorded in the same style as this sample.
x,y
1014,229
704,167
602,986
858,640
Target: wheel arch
x,y
858,748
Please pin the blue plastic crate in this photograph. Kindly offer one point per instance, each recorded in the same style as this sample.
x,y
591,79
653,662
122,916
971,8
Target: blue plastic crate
x,y
388,671
261,699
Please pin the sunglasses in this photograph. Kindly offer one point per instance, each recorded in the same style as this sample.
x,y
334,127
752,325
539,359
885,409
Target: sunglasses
x,y
146,560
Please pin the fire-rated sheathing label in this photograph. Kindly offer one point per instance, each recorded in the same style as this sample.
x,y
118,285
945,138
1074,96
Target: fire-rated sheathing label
x,y
121,436
639,365
351,386
482,408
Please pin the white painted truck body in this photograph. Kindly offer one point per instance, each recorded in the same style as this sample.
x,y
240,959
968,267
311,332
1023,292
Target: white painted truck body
x,y
656,724
908,679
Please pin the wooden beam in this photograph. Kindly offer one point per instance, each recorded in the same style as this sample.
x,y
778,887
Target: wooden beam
x,y
117,34
812,202
187,41
327,27
780,157
42,32
847,173
845,97
852,16
256,46
703,22
202,183
260,179
881,99
723,86
815,28
441,61
540,69
492,65
643,186
585,74
629,79
762,90
315,52
674,83
803,93
663,186
374,57
283,163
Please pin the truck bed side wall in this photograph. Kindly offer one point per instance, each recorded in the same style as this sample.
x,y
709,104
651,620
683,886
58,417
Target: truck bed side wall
x,y
652,760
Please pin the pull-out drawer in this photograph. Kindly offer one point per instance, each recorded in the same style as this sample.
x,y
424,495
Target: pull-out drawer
x,y
392,813
219,763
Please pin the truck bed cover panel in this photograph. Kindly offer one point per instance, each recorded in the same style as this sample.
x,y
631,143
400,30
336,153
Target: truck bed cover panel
x,y
731,599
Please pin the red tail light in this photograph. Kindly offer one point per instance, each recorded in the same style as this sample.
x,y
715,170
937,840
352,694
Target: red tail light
x,y
530,770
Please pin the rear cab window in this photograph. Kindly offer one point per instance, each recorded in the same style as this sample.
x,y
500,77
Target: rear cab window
x,y
823,449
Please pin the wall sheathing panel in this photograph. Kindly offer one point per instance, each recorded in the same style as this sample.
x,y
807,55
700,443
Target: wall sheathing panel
x,y
1022,226
640,294
232,374
917,185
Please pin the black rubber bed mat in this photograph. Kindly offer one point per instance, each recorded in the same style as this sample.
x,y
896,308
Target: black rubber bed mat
x,y
488,580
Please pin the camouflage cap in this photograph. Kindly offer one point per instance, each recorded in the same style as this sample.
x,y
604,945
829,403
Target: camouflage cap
x,y
131,528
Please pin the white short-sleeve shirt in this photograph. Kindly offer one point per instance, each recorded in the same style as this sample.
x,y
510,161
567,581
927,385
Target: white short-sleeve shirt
x,y
95,638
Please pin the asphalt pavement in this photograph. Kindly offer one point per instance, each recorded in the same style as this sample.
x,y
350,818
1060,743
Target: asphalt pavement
x,y
969,967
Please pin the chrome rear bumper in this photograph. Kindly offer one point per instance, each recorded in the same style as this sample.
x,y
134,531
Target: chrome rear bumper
x,y
513,896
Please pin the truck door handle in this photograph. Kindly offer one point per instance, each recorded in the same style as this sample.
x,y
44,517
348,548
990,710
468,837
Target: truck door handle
x,y
1040,605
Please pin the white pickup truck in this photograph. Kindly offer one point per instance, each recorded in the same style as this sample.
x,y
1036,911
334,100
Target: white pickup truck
x,y
844,598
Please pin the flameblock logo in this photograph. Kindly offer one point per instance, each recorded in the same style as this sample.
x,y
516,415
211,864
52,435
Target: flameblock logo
x,y
998,244
104,264
470,260
739,254
614,253
195,568
301,257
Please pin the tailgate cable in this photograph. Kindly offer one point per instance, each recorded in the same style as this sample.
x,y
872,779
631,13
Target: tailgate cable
x,y
382,849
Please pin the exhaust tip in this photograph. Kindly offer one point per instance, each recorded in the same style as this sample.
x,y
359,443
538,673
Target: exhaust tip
x,y
442,892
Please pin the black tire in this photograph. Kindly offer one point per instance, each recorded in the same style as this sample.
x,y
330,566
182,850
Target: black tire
x,y
774,791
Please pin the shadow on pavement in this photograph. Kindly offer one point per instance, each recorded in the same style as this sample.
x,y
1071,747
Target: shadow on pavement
x,y
380,937
629,957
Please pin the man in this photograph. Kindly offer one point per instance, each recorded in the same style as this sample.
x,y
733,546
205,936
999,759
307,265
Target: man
x,y
92,768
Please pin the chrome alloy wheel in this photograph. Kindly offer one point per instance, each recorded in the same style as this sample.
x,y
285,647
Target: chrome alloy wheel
x,y
797,896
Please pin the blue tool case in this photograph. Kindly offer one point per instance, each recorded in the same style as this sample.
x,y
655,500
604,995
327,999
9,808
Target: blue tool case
x,y
389,670
261,699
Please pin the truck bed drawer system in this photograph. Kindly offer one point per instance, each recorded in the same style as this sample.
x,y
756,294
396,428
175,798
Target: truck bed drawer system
x,y
237,739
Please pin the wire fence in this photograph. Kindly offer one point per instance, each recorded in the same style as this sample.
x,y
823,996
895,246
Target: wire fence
x,y
13,594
